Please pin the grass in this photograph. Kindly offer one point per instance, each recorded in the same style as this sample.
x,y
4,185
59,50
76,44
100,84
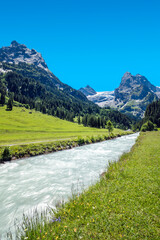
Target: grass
x,y
124,204
30,133
20,127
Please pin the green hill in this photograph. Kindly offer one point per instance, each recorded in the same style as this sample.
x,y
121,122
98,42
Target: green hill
x,y
25,126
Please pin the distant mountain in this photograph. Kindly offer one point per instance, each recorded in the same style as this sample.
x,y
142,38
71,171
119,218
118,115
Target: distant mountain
x,y
134,94
87,90
131,97
158,92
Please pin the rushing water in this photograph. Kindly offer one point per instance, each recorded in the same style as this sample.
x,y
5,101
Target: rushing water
x,y
40,181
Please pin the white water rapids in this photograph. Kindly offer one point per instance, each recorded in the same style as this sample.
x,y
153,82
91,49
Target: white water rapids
x,y
36,182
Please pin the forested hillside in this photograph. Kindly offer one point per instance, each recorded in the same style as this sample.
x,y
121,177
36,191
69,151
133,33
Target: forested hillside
x,y
152,113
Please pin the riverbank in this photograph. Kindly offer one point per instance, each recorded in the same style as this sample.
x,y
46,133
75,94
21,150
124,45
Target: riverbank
x,y
35,149
31,133
124,204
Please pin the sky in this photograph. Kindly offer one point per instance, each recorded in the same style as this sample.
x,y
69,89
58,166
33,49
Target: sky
x,y
88,42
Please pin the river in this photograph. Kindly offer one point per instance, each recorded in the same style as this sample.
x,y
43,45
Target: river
x,y
37,182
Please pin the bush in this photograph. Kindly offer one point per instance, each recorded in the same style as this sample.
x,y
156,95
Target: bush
x,y
80,141
148,126
6,155
93,140
155,127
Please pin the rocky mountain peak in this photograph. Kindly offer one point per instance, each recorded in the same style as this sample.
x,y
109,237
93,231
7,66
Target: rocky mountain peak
x,y
14,44
126,78
87,90
127,75
17,53
138,75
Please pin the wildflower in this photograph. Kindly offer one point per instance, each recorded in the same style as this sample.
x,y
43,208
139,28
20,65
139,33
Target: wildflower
x,y
75,229
56,219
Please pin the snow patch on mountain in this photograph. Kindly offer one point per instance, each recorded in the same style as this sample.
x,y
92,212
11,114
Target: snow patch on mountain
x,y
102,98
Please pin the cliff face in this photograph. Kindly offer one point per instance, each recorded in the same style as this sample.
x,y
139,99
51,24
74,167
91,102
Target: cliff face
x,y
17,53
134,94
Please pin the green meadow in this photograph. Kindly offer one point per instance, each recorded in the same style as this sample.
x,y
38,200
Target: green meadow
x,y
124,204
21,126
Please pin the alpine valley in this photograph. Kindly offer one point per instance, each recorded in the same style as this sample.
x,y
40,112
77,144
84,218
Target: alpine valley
x,y
131,97
25,77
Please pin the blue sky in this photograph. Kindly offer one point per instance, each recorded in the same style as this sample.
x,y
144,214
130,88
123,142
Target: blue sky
x,y
88,41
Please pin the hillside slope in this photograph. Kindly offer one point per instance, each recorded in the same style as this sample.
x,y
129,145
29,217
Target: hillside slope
x,y
21,126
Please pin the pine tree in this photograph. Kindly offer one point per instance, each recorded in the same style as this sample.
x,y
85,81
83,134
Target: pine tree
x,y
10,104
79,120
2,100
110,127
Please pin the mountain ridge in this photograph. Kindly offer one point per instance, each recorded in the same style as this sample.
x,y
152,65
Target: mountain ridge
x,y
16,53
132,96
17,57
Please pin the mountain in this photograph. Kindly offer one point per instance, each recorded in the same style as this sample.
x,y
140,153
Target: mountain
x,y
100,98
87,91
134,94
24,76
131,97
17,53
17,57
25,73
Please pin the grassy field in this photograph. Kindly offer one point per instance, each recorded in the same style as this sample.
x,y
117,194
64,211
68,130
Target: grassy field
x,y
20,127
124,204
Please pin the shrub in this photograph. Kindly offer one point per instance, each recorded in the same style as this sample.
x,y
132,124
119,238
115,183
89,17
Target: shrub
x,y
93,140
6,155
80,141
148,126
99,138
